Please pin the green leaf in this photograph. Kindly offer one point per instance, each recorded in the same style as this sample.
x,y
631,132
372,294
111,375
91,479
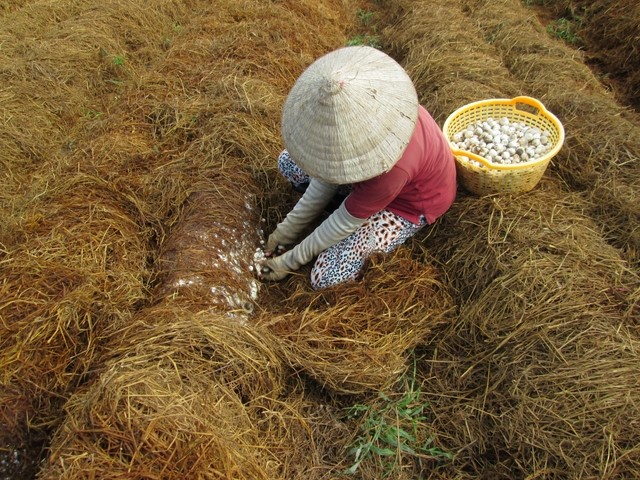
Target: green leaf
x,y
407,449
405,401
404,434
352,469
391,438
385,452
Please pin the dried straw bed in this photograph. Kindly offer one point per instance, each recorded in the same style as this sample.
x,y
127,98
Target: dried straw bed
x,y
498,50
610,32
187,393
603,139
539,399
75,239
56,81
482,238
537,375
208,256
301,436
174,402
195,100
355,338
546,307
77,268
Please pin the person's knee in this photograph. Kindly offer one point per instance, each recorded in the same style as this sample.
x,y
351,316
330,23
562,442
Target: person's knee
x,y
324,281
328,276
284,162
292,172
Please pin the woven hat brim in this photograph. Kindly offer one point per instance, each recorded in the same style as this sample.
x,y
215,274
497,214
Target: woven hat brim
x,y
350,115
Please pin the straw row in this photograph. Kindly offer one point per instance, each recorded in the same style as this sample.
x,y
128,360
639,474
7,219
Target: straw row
x,y
603,138
545,304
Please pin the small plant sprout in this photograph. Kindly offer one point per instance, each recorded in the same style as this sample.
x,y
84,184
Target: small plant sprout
x,y
118,60
369,40
365,17
393,430
91,113
565,29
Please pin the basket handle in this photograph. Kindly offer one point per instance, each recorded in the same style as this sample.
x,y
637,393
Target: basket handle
x,y
536,107
540,109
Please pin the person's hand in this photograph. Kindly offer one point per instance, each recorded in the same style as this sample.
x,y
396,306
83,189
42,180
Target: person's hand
x,y
276,243
274,269
274,251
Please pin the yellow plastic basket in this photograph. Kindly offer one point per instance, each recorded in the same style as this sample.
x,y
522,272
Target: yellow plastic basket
x,y
489,178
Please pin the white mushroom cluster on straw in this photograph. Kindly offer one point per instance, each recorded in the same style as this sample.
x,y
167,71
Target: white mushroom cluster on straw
x,y
503,141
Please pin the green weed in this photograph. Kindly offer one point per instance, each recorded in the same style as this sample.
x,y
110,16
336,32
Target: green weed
x,y
394,430
365,17
369,40
91,113
566,29
118,60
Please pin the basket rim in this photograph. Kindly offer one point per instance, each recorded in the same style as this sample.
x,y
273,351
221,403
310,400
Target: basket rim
x,y
542,111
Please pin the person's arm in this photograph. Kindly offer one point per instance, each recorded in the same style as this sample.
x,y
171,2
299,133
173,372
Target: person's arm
x,y
338,226
315,198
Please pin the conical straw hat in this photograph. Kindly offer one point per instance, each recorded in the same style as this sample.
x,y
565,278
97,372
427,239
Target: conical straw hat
x,y
350,115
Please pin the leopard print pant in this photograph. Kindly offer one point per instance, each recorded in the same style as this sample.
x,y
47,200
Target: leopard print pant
x,y
292,172
382,232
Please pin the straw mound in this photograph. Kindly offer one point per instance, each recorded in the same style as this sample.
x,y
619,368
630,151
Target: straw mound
x,y
140,102
536,378
603,138
534,399
601,143
173,334
355,338
507,52
610,32
553,389
450,66
56,80
539,373
186,394
482,238
76,272
117,133
171,403
208,257
496,238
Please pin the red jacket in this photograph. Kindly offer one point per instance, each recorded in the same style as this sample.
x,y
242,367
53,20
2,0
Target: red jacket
x,y
422,182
